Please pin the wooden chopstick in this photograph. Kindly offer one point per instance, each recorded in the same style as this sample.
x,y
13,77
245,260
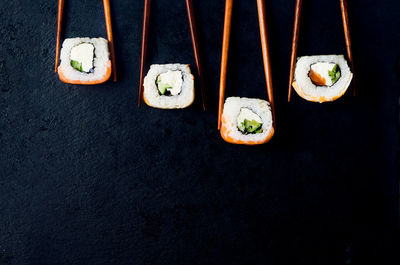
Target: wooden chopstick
x,y
295,41
346,28
196,50
224,57
262,18
107,14
145,33
59,25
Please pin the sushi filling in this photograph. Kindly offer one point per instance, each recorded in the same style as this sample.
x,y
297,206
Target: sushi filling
x,y
82,56
324,74
169,83
248,122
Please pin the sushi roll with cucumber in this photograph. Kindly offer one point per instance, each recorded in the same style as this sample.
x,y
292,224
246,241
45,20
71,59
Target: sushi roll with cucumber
x,y
246,121
169,86
322,78
85,61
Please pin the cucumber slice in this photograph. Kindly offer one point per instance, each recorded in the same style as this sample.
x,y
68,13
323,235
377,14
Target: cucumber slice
x,y
77,65
163,88
250,127
334,74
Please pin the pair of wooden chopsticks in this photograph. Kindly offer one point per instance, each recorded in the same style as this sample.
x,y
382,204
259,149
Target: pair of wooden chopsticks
x,y
296,30
107,14
262,18
196,49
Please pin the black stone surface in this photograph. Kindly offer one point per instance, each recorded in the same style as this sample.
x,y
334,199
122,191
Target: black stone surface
x,y
88,178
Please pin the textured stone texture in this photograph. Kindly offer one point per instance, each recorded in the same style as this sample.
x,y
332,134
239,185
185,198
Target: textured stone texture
x,y
88,178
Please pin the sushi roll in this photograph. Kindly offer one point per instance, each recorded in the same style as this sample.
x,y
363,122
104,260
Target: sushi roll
x,y
246,121
85,61
169,86
322,78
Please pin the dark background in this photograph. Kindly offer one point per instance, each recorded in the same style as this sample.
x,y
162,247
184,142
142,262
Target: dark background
x,y
88,178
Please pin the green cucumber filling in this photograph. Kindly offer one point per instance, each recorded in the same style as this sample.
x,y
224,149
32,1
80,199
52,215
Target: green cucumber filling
x,y
77,65
252,126
248,122
169,83
82,56
334,74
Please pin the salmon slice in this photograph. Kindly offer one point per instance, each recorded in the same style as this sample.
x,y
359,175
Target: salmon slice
x,y
317,78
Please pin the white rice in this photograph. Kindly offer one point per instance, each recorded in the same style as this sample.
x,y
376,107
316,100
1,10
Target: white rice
x,y
309,89
154,99
231,111
101,58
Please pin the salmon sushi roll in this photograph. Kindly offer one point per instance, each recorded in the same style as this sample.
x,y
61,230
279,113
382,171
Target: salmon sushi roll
x,y
246,121
85,61
169,86
322,78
